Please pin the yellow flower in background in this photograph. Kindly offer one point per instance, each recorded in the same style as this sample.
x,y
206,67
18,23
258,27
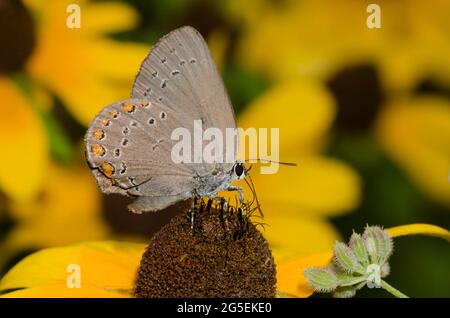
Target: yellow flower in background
x,y
66,210
319,187
53,204
23,140
415,131
317,38
108,268
84,67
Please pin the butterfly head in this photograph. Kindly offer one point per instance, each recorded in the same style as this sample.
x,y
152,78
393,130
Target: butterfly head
x,y
239,171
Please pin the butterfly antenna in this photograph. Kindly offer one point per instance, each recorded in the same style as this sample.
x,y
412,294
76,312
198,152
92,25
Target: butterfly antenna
x,y
292,164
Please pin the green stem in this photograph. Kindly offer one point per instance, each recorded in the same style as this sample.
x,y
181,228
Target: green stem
x,y
392,290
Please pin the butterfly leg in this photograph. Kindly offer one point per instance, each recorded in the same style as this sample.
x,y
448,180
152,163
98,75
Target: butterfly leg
x,y
209,205
223,209
192,215
241,219
240,192
224,213
246,206
199,215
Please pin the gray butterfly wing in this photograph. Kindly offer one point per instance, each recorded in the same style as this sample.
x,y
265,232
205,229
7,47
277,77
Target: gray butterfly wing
x,y
124,150
180,73
128,148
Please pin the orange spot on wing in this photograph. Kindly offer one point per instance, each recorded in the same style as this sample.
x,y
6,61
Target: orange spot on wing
x,y
113,114
108,169
104,122
99,134
97,150
127,107
144,103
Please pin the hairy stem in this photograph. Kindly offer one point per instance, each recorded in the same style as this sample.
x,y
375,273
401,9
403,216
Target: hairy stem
x,y
392,290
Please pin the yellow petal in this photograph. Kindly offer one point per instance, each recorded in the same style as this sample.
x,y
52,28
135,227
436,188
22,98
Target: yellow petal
x,y
23,142
116,61
111,68
290,229
298,234
106,265
96,95
318,185
302,110
301,38
108,17
111,78
416,133
249,11
291,281
96,18
419,229
61,291
66,211
218,42
84,68
418,47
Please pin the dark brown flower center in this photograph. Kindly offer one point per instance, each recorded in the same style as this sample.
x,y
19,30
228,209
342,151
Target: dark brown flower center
x,y
17,36
218,260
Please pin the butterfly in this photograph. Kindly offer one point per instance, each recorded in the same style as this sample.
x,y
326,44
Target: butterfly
x,y
128,144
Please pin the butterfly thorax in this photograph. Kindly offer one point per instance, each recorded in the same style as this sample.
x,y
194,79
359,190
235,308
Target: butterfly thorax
x,y
209,185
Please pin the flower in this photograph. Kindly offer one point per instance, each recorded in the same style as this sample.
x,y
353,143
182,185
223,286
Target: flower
x,y
24,143
297,200
108,268
66,211
222,256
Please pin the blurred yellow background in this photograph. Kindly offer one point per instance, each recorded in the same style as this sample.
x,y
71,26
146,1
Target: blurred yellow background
x,y
365,112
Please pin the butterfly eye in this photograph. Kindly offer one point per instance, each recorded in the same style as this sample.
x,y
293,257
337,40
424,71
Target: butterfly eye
x,y
239,170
